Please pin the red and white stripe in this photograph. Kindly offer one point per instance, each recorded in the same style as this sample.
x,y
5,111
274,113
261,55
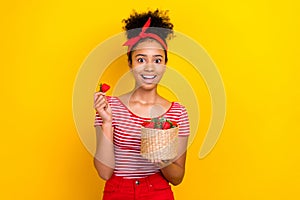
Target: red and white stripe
x,y
127,140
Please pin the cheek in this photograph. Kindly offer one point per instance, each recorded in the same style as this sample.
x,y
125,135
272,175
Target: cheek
x,y
161,69
137,68
135,72
136,64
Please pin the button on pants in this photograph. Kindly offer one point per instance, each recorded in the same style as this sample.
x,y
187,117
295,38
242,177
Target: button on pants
x,y
154,187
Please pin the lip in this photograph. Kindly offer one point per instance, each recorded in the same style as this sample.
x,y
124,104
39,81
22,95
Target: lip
x,y
148,78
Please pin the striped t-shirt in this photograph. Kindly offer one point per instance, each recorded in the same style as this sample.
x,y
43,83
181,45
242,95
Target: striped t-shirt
x,y
127,137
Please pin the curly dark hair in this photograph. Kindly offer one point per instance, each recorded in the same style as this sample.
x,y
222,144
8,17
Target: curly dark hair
x,y
160,25
159,19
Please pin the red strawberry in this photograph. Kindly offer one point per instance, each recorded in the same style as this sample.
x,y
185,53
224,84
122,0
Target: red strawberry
x,y
149,125
174,124
145,123
104,87
166,125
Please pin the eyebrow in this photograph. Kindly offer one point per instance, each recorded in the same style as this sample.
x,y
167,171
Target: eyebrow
x,y
144,55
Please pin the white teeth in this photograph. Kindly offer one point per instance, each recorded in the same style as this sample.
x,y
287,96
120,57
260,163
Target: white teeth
x,y
148,77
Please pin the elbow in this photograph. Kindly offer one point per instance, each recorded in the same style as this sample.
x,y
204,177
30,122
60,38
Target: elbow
x,y
103,171
176,181
105,176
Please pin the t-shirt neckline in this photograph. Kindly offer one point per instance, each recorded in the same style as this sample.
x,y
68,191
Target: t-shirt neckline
x,y
135,115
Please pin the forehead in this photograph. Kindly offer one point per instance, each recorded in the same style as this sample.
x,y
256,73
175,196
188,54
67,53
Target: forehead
x,y
148,47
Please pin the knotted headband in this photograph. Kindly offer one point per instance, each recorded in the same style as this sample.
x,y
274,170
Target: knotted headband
x,y
132,41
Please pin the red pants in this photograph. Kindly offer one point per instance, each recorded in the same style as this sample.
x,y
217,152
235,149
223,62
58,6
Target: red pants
x,y
153,187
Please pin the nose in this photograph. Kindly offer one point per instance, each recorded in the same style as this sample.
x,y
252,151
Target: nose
x,y
149,67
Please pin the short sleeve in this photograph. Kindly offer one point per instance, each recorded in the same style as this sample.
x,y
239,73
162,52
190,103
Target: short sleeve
x,y
183,123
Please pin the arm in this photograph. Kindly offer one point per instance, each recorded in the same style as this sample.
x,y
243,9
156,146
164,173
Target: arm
x,y
104,159
174,171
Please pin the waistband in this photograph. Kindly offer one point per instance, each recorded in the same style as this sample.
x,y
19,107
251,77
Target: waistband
x,y
156,178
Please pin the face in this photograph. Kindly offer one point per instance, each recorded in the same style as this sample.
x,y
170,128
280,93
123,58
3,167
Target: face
x,y
148,64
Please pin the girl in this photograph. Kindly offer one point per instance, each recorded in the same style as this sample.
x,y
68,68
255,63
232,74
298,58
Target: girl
x,y
118,119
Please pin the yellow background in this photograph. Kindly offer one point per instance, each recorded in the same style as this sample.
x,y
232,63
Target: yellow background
x,y
255,45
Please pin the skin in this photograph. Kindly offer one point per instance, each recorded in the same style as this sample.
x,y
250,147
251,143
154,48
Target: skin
x,y
148,67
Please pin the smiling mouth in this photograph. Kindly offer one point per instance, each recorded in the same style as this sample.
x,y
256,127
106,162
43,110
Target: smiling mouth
x,y
148,77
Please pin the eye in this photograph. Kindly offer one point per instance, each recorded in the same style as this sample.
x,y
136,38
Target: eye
x,y
141,60
157,61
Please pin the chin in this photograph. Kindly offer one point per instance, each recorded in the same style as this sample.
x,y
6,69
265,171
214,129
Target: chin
x,y
147,86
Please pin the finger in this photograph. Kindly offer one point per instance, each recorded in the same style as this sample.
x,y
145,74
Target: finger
x,y
99,99
98,94
97,103
100,104
102,93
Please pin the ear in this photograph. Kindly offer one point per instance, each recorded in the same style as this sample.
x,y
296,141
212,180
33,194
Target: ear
x,y
129,64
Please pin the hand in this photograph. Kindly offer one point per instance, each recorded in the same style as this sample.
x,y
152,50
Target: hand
x,y
102,107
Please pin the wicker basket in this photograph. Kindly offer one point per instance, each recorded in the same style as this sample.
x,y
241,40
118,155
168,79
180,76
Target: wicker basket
x,y
157,144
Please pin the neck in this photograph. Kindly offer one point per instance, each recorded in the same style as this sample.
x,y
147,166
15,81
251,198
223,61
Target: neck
x,y
144,96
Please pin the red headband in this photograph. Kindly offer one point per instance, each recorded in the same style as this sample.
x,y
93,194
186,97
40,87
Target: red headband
x,y
132,41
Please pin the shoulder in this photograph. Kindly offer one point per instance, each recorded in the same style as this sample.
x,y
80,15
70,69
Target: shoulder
x,y
124,98
178,106
177,111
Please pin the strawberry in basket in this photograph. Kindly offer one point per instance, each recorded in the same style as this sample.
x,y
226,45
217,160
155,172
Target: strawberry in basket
x,y
159,123
159,139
